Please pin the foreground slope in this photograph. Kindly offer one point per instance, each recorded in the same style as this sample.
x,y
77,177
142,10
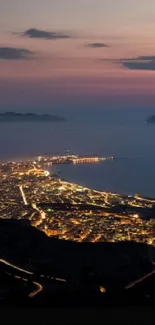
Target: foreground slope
x,y
108,264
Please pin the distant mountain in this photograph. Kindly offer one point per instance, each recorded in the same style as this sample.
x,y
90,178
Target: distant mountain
x,y
29,117
151,119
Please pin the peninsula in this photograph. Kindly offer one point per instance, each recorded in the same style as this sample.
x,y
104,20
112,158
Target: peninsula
x,y
29,117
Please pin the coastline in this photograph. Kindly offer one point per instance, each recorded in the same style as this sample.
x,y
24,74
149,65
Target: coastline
x,y
106,177
70,174
34,193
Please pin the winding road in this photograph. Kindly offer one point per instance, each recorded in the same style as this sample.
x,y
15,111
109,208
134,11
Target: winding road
x,y
38,289
141,279
38,286
15,267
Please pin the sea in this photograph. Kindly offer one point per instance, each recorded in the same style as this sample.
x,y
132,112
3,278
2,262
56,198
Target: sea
x,y
121,133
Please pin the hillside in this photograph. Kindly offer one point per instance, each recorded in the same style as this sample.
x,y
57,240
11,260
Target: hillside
x,y
106,263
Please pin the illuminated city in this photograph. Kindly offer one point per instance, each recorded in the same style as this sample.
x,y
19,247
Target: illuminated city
x,y
63,210
77,130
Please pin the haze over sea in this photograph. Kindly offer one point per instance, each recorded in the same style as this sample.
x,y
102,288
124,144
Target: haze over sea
x,y
121,133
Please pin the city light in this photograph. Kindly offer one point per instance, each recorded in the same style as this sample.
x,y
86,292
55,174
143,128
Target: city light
x,y
69,211
102,289
43,215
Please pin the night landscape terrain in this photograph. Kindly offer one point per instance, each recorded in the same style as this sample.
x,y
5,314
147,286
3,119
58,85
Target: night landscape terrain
x,y
77,138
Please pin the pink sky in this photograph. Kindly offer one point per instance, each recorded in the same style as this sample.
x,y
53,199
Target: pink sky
x,y
65,68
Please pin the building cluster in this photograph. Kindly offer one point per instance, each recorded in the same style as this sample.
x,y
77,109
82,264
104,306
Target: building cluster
x,y
74,159
69,211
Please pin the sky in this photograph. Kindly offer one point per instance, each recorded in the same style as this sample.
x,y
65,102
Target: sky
x,y
67,53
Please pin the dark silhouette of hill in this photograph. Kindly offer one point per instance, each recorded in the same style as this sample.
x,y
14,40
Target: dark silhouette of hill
x,y
151,119
109,264
29,117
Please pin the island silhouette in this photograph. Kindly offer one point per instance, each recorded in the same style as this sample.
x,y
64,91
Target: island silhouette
x,y
29,117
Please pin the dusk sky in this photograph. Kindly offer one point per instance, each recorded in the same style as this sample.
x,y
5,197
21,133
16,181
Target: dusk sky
x,y
60,52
